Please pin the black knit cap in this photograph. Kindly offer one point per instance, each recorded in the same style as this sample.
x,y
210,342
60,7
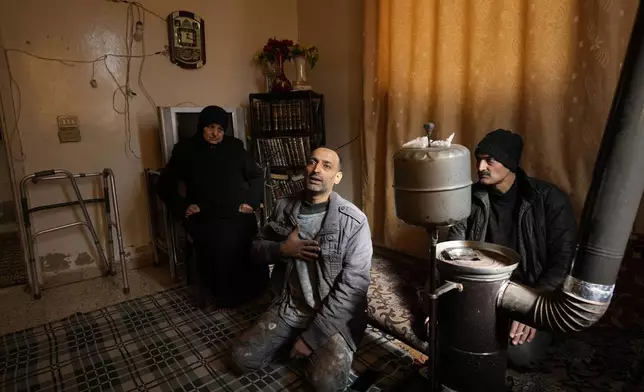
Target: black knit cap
x,y
504,146
213,115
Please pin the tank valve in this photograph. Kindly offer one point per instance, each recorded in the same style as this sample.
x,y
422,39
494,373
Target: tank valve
x,y
429,127
448,286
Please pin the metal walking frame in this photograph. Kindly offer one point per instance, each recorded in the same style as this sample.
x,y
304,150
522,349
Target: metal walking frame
x,y
110,200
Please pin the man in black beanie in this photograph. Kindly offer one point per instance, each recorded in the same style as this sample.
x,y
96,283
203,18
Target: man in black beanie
x,y
223,187
530,216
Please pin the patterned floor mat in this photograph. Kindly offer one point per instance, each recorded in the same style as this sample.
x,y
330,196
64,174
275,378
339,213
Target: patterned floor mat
x,y
12,267
160,343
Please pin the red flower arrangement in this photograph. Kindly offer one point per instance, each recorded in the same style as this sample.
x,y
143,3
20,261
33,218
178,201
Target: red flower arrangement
x,y
274,50
273,55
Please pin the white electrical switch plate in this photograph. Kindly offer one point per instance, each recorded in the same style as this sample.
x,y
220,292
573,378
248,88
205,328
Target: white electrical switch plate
x,y
67,122
68,130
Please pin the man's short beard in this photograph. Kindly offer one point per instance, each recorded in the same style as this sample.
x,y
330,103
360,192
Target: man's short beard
x,y
315,191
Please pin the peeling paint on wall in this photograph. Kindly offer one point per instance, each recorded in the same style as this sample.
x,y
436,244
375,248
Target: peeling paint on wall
x,y
54,262
136,251
84,259
64,268
138,254
142,249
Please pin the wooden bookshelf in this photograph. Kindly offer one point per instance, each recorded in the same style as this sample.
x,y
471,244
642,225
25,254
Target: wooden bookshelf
x,y
285,128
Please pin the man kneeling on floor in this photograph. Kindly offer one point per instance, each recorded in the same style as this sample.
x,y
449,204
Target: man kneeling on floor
x,y
320,245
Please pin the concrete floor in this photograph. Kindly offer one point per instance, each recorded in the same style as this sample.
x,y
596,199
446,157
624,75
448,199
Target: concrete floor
x,y
18,309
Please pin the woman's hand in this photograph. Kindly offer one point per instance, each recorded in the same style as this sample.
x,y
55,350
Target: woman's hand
x,y
192,209
246,209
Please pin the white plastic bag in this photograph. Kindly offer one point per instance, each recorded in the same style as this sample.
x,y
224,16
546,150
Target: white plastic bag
x,y
442,143
424,142
419,142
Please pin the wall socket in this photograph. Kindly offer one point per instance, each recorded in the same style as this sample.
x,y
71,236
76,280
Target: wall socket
x,y
68,129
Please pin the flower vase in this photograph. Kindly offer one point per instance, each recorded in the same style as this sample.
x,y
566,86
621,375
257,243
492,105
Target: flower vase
x,y
300,74
281,82
269,76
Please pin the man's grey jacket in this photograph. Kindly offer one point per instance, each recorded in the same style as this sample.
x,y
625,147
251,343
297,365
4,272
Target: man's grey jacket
x,y
344,268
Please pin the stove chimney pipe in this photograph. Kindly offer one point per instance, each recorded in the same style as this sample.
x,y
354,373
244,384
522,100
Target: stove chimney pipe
x,y
609,212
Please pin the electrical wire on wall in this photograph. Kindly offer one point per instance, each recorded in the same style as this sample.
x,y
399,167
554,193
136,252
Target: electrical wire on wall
x,y
134,25
134,30
142,7
336,149
16,111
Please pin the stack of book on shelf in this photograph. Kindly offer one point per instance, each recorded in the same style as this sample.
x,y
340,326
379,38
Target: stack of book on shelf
x,y
284,151
291,115
282,186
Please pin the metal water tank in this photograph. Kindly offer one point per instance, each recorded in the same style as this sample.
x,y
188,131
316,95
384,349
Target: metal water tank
x,y
433,185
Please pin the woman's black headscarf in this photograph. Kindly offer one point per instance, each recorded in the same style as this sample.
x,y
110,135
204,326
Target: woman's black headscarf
x,y
213,115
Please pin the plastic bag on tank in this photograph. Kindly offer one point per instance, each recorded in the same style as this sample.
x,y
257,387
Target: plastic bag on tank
x,y
424,142
419,142
442,143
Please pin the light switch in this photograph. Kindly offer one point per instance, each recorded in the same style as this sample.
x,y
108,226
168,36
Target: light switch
x,y
68,129
67,122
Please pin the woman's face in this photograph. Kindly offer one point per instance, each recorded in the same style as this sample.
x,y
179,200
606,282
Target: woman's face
x,y
213,133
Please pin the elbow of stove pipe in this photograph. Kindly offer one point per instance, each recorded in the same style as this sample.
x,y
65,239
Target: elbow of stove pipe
x,y
575,306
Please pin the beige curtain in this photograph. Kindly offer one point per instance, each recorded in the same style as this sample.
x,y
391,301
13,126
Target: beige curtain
x,y
544,68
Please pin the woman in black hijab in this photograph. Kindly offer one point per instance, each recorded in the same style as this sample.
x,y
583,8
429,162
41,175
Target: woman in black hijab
x,y
223,186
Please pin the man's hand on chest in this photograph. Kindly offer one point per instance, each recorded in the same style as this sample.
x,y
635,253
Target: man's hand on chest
x,y
295,247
